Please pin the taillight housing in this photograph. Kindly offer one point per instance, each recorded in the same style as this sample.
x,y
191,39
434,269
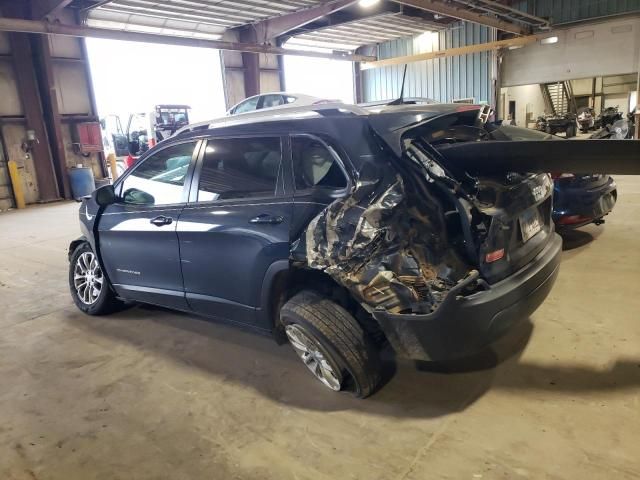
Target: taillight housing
x,y
556,175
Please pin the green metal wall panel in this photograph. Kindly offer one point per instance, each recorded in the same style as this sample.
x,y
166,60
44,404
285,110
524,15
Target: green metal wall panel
x,y
567,11
444,79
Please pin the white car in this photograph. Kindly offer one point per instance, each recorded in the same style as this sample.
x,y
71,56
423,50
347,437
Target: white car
x,y
275,100
264,102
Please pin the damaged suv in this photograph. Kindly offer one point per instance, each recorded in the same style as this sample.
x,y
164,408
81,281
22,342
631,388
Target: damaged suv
x,y
337,229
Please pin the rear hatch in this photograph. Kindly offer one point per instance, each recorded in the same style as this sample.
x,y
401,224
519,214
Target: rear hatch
x,y
513,222
504,220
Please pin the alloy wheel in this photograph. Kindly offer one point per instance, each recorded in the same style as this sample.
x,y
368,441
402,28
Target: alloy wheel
x,y
88,279
313,356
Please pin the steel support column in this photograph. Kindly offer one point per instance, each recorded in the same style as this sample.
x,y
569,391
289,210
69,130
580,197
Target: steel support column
x,y
50,104
251,63
23,63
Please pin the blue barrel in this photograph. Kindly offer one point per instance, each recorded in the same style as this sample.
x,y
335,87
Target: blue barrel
x,y
82,181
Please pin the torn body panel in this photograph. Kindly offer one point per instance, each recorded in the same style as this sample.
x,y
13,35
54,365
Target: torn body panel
x,y
386,251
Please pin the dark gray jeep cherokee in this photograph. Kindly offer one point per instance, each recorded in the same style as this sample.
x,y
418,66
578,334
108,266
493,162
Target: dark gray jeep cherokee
x,y
337,228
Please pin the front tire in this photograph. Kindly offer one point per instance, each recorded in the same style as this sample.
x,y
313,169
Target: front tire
x,y
89,286
331,343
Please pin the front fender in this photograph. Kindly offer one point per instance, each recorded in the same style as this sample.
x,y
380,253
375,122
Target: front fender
x,y
75,244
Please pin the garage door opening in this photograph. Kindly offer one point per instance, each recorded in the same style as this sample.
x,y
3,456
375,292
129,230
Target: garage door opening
x,y
133,77
320,77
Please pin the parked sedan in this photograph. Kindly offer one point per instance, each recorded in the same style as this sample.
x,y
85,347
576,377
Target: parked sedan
x,y
274,100
579,199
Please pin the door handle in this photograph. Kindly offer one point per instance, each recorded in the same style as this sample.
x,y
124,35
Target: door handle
x,y
161,220
268,219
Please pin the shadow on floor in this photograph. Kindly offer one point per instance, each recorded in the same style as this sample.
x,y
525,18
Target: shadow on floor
x,y
575,239
430,390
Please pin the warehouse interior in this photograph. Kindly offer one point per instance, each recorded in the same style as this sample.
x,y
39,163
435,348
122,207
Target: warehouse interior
x,y
149,392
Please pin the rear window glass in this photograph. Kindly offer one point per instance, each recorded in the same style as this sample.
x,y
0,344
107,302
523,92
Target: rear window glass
x,y
315,165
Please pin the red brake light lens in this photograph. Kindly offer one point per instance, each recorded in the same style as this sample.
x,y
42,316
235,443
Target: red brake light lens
x,y
494,256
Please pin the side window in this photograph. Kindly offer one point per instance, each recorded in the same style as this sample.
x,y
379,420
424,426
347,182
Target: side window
x,y
159,179
241,168
247,106
272,101
314,165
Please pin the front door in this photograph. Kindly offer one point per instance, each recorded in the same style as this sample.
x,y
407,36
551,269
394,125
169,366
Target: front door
x,y
137,235
235,227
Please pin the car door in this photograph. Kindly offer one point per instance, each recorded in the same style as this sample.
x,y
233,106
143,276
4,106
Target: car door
x,y
236,226
137,235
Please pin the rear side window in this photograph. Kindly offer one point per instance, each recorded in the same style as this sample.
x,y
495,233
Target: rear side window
x,y
315,165
159,179
247,106
269,101
235,168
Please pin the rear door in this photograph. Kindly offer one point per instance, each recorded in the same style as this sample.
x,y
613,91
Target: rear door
x,y
137,235
236,226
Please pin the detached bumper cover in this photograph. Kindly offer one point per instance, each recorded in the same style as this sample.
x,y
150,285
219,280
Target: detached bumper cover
x,y
465,325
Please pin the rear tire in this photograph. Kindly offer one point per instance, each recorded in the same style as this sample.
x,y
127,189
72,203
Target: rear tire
x,y
90,289
331,343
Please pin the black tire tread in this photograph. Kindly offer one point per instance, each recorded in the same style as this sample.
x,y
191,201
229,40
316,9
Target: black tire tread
x,y
344,334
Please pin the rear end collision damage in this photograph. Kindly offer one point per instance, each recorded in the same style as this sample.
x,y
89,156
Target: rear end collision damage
x,y
441,264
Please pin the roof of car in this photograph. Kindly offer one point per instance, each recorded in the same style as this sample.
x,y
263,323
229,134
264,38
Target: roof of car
x,y
404,114
337,120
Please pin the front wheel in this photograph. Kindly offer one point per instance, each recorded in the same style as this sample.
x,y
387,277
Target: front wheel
x,y
331,343
89,286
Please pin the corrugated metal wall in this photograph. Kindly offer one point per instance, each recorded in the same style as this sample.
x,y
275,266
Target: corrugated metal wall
x,y
565,11
444,79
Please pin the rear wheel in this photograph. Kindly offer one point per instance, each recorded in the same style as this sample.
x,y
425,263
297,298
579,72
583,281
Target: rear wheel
x,y
89,286
331,343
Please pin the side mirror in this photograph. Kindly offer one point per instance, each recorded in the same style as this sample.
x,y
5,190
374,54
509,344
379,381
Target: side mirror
x,y
105,195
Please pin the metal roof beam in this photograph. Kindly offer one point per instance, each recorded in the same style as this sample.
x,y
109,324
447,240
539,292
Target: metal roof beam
x,y
274,27
453,52
450,10
47,28
46,8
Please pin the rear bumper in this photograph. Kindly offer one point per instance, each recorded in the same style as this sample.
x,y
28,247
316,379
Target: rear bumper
x,y
462,326
587,204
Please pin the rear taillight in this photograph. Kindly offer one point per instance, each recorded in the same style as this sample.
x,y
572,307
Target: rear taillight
x,y
573,219
129,161
556,175
493,256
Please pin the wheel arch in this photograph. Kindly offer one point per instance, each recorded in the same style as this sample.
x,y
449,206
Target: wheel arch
x,y
75,244
283,280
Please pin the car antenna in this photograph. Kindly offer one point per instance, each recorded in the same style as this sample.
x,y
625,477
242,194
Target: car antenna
x,y
400,100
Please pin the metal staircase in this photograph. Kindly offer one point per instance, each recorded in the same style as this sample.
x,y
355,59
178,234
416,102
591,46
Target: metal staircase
x,y
558,97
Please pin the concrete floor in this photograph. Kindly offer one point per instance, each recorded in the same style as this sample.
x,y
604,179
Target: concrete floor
x,y
149,394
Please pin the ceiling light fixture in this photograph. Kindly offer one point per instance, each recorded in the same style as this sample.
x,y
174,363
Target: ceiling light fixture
x,y
368,3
